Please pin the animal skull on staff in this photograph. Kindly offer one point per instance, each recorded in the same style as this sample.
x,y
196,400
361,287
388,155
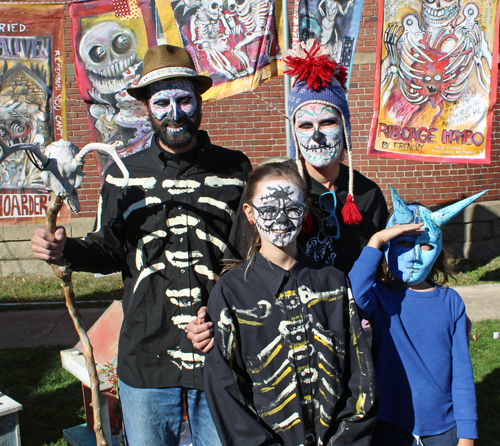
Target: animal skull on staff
x,y
61,164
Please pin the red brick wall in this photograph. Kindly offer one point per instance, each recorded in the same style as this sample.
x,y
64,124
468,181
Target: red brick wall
x,y
254,123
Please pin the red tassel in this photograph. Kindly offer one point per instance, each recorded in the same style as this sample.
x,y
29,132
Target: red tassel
x,y
350,212
307,225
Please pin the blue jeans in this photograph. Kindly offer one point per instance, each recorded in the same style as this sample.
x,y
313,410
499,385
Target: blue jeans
x,y
153,417
387,434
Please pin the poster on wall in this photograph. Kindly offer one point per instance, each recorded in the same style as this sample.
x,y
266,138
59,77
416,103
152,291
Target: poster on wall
x,y
334,24
110,39
436,81
32,105
235,42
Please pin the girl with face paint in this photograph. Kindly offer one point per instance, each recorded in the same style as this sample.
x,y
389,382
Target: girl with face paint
x,y
290,363
420,340
277,209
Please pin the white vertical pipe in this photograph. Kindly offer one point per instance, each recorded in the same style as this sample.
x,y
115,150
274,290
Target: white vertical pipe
x,y
286,44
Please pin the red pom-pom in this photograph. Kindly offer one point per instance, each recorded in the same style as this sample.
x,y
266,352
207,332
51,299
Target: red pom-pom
x,y
307,225
350,212
312,64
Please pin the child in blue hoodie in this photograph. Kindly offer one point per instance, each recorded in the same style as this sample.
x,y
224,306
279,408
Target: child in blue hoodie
x,y
420,347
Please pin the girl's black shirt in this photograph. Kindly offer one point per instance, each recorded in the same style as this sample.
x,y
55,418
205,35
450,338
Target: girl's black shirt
x,y
291,364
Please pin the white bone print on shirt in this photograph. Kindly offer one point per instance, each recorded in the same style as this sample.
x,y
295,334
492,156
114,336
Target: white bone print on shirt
x,y
177,187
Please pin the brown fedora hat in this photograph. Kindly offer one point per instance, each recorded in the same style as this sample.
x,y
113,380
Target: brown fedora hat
x,y
165,62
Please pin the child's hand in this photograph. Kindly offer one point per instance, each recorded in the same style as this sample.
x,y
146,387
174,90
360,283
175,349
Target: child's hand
x,y
380,238
201,333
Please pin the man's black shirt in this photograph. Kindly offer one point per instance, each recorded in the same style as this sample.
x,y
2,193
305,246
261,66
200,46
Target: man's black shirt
x,y
166,232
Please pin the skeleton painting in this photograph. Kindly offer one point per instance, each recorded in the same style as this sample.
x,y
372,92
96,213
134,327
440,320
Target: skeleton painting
x,y
437,63
334,23
32,103
235,42
109,50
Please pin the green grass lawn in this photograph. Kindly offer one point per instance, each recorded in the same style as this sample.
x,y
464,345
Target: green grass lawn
x,y
52,398
32,288
485,355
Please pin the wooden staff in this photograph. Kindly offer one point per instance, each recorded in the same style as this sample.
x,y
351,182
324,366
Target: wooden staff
x,y
62,270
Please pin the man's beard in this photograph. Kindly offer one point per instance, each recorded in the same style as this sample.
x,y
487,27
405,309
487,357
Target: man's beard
x,y
176,140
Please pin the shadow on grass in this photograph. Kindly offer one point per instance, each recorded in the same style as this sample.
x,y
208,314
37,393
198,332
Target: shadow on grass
x,y
488,409
61,409
491,276
466,265
51,397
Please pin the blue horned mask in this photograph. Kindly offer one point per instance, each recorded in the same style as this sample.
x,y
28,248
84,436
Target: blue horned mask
x,y
410,257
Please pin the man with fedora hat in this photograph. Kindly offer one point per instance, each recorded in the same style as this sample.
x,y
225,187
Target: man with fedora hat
x,y
166,232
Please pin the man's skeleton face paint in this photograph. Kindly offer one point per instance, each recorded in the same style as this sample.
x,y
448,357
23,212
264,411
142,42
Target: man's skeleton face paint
x,y
279,211
319,133
174,111
173,98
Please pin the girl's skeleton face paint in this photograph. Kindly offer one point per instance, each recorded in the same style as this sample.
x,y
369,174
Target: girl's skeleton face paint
x,y
173,98
284,199
319,132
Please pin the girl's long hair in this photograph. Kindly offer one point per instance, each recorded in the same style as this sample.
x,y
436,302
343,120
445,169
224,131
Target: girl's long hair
x,y
266,172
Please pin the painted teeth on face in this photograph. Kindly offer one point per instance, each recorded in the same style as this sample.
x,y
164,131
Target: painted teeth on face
x,y
175,129
285,196
319,132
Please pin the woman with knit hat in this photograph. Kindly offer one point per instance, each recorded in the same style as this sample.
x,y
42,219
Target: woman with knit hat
x,y
346,207
350,207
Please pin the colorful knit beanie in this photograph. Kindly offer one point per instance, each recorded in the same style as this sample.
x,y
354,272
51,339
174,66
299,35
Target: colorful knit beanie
x,y
318,78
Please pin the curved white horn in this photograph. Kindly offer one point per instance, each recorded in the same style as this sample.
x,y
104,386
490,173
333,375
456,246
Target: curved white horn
x,y
109,149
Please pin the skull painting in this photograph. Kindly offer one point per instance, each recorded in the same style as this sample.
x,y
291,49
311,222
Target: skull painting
x,y
213,8
108,50
439,60
19,122
439,12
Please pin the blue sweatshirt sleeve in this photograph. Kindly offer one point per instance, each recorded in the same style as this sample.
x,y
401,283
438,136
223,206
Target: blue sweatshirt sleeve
x,y
362,277
462,388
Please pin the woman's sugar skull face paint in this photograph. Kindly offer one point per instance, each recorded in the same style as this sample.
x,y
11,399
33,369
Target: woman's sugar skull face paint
x,y
173,99
410,258
319,132
279,211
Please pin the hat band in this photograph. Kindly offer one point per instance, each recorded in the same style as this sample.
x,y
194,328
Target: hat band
x,y
166,72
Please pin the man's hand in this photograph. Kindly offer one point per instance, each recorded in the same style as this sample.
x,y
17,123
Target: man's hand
x,y
465,442
47,246
201,333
